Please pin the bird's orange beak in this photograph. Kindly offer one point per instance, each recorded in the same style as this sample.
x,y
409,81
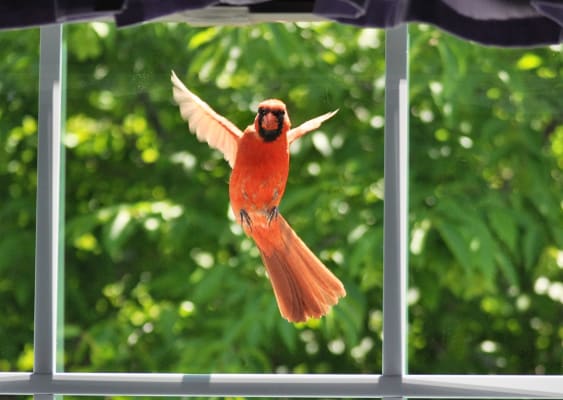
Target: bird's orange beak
x,y
270,122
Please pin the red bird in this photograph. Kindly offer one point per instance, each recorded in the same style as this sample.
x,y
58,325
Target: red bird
x,y
259,156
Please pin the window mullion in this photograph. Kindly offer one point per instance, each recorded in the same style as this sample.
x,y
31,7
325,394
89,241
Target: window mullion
x,y
48,207
395,205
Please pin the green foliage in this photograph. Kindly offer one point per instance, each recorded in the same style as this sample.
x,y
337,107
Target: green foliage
x,y
486,189
159,276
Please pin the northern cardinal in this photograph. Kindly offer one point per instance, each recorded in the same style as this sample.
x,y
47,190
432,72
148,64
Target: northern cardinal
x,y
259,156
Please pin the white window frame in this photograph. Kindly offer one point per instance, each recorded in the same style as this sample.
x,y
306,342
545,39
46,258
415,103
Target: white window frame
x,y
46,381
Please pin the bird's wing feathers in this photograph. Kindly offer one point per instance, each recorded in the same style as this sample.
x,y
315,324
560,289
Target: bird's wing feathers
x,y
216,130
308,126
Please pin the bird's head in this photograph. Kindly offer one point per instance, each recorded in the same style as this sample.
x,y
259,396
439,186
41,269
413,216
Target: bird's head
x,y
271,120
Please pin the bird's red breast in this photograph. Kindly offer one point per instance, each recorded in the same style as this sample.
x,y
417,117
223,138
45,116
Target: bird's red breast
x,y
261,168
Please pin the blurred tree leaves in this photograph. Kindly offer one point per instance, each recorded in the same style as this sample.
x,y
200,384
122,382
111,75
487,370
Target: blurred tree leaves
x,y
487,186
159,276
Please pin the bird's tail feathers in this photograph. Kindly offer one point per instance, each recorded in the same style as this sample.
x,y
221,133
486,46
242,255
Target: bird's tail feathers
x,y
303,286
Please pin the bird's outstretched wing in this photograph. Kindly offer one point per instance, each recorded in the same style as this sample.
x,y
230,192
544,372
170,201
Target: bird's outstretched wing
x,y
308,126
208,126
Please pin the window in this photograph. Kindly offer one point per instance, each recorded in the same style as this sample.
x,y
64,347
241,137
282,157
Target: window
x,y
47,379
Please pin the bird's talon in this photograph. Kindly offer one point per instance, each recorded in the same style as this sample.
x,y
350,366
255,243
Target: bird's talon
x,y
272,214
245,218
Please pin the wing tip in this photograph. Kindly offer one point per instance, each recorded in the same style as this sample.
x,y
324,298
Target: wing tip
x,y
332,113
175,80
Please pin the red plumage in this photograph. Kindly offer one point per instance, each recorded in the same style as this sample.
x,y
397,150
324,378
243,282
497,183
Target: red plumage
x,y
303,286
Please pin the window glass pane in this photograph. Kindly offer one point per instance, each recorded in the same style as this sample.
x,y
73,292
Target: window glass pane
x,y
159,276
486,250
19,51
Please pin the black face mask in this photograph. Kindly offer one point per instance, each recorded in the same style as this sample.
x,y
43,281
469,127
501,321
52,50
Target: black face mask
x,y
269,135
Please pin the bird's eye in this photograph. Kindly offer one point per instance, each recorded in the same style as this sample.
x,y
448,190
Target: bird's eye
x,y
262,111
278,113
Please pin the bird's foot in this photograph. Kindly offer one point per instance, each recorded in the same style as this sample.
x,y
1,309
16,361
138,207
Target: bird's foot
x,y
245,218
272,214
